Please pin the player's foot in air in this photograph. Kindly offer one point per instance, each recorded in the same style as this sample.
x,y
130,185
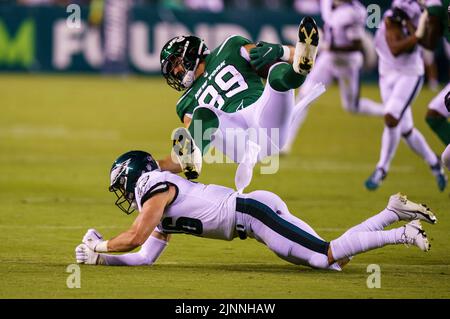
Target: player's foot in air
x,y
439,173
187,153
306,47
374,181
414,235
408,210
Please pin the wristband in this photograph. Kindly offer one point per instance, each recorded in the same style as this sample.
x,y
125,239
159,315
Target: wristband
x,y
102,247
286,53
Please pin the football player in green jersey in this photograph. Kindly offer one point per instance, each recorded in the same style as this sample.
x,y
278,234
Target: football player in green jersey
x,y
435,24
225,96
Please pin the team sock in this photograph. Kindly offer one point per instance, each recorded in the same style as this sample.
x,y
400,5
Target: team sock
x,y
370,107
389,144
358,242
375,223
418,144
283,78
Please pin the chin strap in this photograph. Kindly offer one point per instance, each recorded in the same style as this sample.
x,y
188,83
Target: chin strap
x,y
189,77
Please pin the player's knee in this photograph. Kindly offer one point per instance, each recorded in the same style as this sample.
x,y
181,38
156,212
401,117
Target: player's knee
x,y
407,133
319,261
390,120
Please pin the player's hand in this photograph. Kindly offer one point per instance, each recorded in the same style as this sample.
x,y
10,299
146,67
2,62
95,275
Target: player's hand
x,y
265,54
186,153
92,238
85,255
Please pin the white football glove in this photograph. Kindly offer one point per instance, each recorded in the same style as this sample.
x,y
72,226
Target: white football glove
x,y
94,241
85,255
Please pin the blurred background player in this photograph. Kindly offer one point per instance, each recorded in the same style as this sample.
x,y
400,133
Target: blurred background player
x,y
169,204
435,24
340,58
401,71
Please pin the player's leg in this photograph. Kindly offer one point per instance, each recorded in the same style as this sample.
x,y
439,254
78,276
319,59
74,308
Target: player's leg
x,y
267,219
401,90
284,77
321,73
398,208
419,145
369,234
446,157
355,243
437,116
350,89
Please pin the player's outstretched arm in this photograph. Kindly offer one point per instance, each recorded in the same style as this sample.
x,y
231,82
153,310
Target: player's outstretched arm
x,y
146,256
143,226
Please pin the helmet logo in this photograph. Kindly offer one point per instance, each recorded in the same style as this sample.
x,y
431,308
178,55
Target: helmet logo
x,y
119,170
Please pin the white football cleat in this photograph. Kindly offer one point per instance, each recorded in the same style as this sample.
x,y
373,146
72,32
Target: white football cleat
x,y
408,210
414,235
85,255
306,47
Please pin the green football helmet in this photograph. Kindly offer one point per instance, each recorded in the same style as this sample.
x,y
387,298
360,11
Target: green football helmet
x,y
124,174
184,51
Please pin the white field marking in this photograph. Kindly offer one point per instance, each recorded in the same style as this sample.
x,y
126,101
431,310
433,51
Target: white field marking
x,y
57,132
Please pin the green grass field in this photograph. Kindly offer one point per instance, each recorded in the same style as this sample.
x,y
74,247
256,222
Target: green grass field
x,y
59,136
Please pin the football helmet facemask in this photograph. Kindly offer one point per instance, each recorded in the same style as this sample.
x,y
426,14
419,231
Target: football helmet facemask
x,y
124,175
179,58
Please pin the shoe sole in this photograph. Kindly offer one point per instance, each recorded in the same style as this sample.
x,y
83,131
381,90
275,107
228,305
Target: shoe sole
x,y
306,47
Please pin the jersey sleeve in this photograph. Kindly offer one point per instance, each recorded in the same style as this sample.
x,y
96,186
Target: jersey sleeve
x,y
150,184
185,106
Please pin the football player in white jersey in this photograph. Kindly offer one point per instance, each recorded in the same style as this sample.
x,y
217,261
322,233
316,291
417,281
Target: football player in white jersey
x,y
341,56
169,204
401,70
433,25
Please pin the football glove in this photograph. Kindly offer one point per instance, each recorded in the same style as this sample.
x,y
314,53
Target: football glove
x,y
94,241
265,54
186,153
85,255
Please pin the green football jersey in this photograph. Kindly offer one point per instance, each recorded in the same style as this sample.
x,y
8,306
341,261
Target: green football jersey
x,y
441,9
229,82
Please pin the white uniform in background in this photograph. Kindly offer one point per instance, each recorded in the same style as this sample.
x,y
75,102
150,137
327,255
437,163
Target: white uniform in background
x,y
401,79
343,25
